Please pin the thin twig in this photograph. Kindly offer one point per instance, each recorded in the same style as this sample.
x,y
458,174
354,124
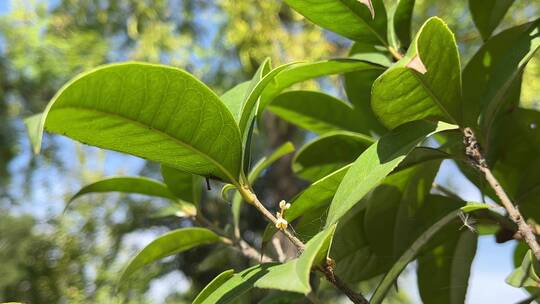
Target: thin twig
x,y
279,249
241,245
327,269
477,160
442,189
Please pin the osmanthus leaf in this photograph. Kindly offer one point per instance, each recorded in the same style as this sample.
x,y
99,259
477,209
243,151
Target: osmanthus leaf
x,y
297,270
315,111
400,21
528,274
379,229
422,154
168,244
358,86
424,84
261,80
443,272
33,130
409,255
376,162
183,185
291,276
234,97
317,195
227,287
495,72
340,148
124,184
357,20
487,14
152,111
514,151
471,207
310,70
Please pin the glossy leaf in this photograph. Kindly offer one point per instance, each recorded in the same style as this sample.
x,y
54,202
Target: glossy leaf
x,y
353,19
290,276
315,111
375,163
358,86
131,185
471,207
310,70
487,14
401,21
389,279
297,270
340,149
443,272
225,288
257,87
527,275
317,195
425,84
184,186
168,244
156,112
491,74
233,99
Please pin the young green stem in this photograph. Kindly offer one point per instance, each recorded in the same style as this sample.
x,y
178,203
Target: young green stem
x,y
477,160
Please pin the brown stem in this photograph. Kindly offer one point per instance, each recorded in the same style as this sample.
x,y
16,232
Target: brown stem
x,y
242,246
328,271
477,160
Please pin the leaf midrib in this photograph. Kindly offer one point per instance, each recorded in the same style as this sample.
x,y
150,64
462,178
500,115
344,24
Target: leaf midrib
x,y
433,96
160,132
365,22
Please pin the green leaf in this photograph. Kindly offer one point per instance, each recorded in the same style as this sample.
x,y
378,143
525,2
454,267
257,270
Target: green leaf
x,y
471,207
375,163
422,154
168,244
294,274
131,185
426,83
233,99
356,20
443,272
225,288
310,110
487,14
317,195
495,71
401,21
310,70
290,276
152,111
527,274
183,185
340,149
358,86
408,256
257,87
221,279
